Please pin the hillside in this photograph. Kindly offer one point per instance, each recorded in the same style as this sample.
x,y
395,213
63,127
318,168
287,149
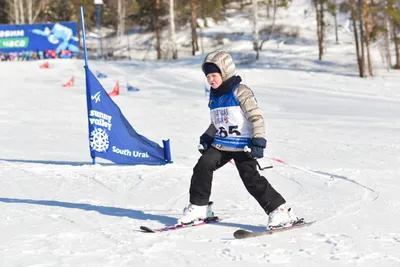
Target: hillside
x,y
58,209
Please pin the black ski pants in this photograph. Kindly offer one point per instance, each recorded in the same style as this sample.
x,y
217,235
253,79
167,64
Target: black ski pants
x,y
257,185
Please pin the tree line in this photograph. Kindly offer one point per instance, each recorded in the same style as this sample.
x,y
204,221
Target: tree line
x,y
373,21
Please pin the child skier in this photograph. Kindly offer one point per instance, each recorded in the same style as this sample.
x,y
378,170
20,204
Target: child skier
x,y
236,123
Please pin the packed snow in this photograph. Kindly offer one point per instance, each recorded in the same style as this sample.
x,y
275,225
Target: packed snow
x,y
57,209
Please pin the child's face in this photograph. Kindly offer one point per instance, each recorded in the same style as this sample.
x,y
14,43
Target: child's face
x,y
214,79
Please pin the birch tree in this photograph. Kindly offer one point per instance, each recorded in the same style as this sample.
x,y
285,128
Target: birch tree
x,y
16,12
387,37
172,34
23,11
121,10
31,15
336,24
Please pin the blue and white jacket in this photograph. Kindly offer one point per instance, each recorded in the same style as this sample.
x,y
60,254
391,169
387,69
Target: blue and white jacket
x,y
235,119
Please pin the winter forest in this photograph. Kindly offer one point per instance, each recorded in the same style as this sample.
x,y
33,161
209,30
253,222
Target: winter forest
x,y
374,22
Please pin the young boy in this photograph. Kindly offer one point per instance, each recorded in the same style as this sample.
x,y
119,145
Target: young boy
x,y
236,123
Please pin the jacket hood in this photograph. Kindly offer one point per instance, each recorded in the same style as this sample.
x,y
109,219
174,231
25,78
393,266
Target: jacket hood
x,y
223,61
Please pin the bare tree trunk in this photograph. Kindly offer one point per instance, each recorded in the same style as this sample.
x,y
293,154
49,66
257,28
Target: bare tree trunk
x,y
16,13
256,35
367,36
75,14
362,37
21,11
172,33
387,38
387,53
396,45
158,29
268,9
195,44
121,9
30,14
42,4
24,11
319,34
322,31
336,24
201,40
396,39
272,26
354,20
123,17
73,7
10,13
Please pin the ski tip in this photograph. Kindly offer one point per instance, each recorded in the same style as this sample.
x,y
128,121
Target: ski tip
x,y
147,229
241,234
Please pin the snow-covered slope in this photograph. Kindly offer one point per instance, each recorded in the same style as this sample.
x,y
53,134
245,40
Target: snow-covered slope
x,y
59,210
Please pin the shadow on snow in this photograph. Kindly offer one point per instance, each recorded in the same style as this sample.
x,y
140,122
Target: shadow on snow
x,y
109,211
55,162
119,212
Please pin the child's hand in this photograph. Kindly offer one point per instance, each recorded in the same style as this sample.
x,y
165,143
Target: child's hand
x,y
257,152
201,149
257,148
205,143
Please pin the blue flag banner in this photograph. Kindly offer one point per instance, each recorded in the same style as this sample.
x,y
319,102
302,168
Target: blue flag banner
x,y
112,137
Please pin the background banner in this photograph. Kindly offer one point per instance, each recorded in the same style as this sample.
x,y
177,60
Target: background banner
x,y
39,37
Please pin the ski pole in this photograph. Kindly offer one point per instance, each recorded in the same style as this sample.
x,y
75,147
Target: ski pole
x,y
248,150
299,168
325,175
263,168
258,164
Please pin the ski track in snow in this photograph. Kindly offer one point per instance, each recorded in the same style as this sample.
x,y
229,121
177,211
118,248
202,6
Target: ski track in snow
x,y
59,210
314,244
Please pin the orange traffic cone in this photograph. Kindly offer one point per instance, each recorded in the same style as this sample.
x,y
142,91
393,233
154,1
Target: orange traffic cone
x,y
70,83
115,91
45,65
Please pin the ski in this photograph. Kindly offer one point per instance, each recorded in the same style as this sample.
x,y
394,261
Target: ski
x,y
146,229
241,234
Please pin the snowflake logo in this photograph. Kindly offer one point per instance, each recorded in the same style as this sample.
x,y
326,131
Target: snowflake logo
x,y
99,140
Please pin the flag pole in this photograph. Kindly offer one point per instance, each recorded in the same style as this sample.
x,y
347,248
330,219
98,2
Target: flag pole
x,y
88,103
84,37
